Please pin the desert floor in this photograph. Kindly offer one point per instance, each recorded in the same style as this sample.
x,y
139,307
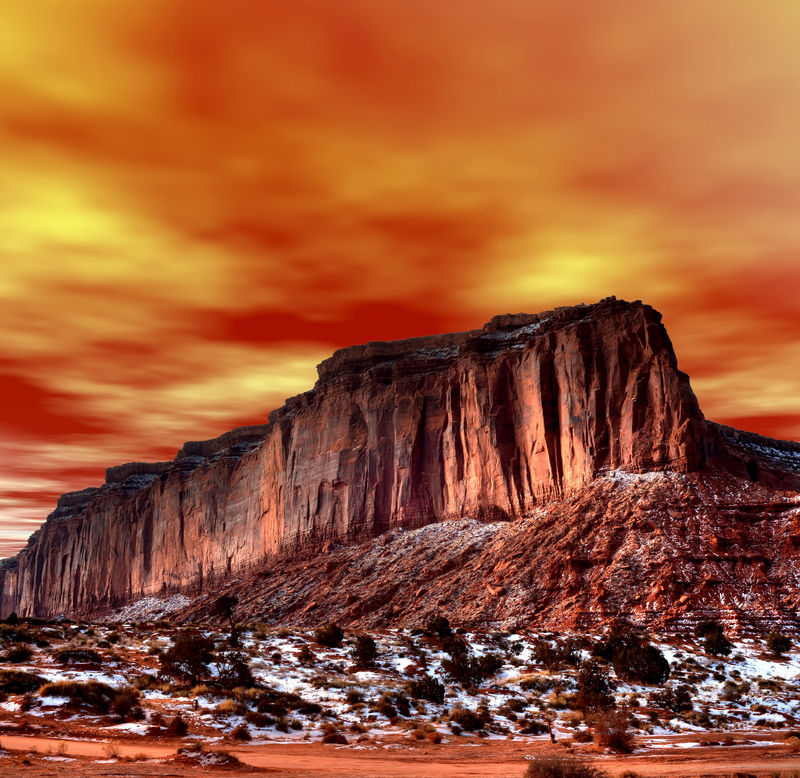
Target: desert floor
x,y
36,756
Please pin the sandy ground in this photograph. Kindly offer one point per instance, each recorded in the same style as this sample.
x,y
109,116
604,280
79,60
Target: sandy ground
x,y
496,758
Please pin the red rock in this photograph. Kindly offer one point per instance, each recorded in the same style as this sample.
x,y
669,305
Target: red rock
x,y
491,424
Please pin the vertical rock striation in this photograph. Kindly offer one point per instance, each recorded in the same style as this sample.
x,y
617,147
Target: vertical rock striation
x,y
488,424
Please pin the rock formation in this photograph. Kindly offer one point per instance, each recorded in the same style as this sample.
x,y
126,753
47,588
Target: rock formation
x,y
491,424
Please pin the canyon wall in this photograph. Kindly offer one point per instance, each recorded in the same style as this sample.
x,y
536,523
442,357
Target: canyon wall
x,y
486,424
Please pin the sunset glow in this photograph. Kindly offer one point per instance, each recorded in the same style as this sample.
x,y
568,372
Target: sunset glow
x,y
201,200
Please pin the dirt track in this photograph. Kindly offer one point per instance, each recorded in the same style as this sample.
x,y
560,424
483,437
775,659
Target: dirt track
x,y
291,761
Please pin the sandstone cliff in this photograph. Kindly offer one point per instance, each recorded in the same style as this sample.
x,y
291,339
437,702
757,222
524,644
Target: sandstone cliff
x,y
488,424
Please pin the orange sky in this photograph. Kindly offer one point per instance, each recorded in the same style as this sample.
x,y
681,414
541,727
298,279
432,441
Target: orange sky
x,y
201,200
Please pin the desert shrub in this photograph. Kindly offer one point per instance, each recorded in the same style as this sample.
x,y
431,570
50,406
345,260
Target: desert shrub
x,y
194,755
553,656
716,644
385,707
733,692
354,696
594,688
400,701
75,655
634,659
365,652
91,695
17,654
229,707
177,727
454,645
11,633
714,640
611,731
488,665
532,726
126,704
305,656
234,670
439,626
278,704
468,670
642,663
778,643
336,738
330,635
562,767
426,688
468,720
676,699
188,657
241,732
258,719
793,744
705,628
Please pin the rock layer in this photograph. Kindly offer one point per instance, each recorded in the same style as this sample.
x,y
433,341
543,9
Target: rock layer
x,y
489,424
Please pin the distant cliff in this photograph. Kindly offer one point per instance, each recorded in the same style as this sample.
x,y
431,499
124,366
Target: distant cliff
x,y
486,424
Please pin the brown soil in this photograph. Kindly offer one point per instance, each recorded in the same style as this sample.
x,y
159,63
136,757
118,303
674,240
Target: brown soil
x,y
487,760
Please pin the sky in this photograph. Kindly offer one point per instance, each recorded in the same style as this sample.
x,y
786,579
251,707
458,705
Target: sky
x,y
199,201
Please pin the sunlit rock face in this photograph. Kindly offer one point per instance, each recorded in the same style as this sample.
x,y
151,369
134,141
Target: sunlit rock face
x,y
487,424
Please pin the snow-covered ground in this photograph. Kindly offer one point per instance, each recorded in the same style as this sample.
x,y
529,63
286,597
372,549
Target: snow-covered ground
x,y
304,690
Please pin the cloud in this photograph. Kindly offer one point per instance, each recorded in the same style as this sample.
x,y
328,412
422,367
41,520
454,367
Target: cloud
x,y
198,206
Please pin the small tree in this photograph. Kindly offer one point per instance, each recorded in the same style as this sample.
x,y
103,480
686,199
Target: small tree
x,y
225,606
234,670
594,688
778,643
365,651
188,657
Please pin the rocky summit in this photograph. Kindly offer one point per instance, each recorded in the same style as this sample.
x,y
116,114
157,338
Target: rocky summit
x,y
550,469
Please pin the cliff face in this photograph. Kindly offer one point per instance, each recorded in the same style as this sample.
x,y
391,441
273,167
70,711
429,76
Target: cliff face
x,y
487,424
662,549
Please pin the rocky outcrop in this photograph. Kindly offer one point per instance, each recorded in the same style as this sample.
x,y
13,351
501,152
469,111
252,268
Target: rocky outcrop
x,y
490,424
660,549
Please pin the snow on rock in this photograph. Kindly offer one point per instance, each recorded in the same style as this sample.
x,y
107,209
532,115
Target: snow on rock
x,y
151,608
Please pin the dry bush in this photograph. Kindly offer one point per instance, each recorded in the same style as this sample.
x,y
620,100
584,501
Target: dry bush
x,y
73,655
19,682
562,767
611,731
229,708
17,655
91,694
